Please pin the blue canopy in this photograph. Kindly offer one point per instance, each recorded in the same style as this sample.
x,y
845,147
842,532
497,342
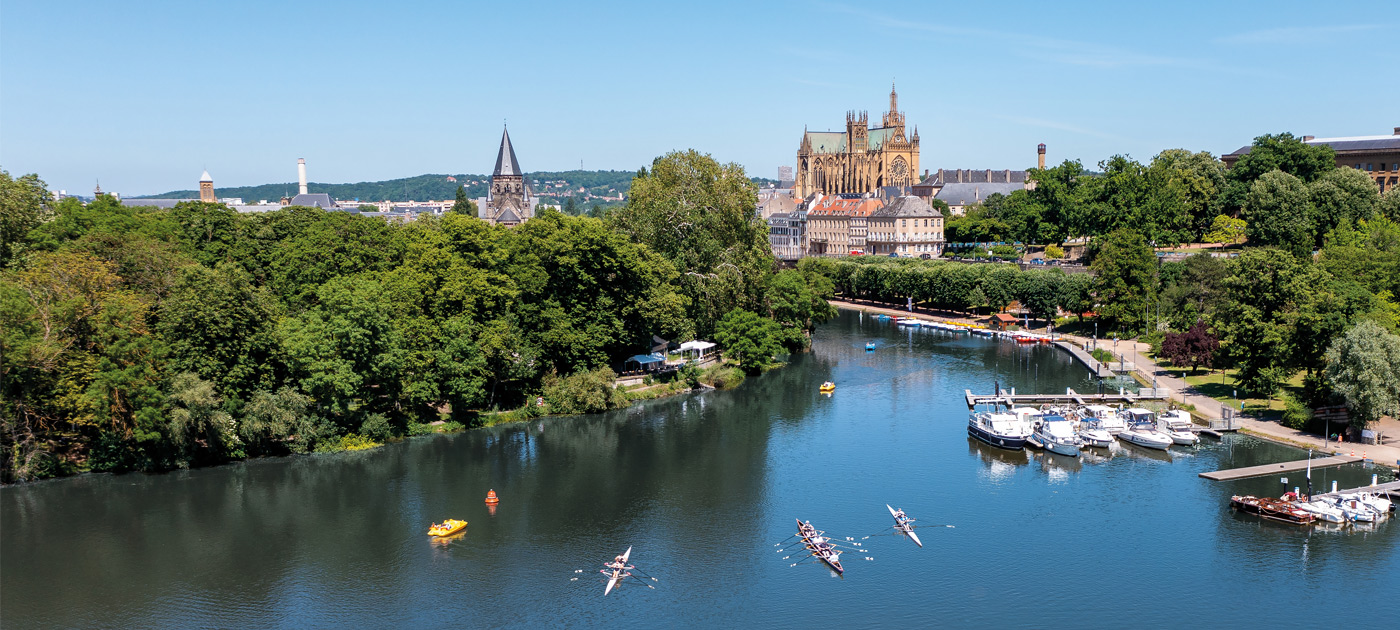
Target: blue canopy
x,y
647,358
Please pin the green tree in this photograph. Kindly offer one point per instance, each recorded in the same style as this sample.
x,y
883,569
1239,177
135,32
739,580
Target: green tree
x,y
1195,182
1281,152
1278,213
1364,367
1259,298
585,392
462,205
700,215
1127,278
750,339
1389,205
1343,194
220,326
1225,230
199,428
23,207
1057,194
797,300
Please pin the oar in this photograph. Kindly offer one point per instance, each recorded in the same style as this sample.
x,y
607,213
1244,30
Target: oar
x,y
934,526
645,575
780,543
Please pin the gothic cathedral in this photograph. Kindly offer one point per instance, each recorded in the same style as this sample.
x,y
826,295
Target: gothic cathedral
x,y
861,159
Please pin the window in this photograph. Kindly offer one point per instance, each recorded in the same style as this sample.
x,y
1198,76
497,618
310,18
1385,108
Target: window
x,y
1368,166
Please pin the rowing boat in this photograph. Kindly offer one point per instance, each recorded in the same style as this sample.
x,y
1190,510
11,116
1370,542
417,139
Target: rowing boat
x,y
618,572
904,524
819,546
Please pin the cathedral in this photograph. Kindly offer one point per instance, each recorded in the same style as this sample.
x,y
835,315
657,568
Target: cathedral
x,y
510,201
860,159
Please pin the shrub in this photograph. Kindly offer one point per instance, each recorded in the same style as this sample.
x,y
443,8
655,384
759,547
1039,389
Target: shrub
x,y
1295,414
1006,251
723,377
690,374
1102,355
1054,252
350,442
376,427
584,392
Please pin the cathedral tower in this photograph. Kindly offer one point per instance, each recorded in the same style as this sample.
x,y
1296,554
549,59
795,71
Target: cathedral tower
x,y
206,188
859,159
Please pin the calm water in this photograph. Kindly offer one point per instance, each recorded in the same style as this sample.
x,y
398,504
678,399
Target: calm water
x,y
702,486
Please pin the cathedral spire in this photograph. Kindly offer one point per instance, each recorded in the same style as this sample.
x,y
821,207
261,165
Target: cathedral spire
x,y
506,164
894,99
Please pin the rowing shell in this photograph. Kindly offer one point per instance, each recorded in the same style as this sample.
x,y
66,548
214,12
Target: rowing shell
x,y
617,574
904,526
829,554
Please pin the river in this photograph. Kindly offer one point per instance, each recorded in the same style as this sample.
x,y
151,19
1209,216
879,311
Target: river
x,y
701,487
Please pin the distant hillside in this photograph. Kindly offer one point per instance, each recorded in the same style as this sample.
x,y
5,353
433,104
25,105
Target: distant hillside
x,y
548,185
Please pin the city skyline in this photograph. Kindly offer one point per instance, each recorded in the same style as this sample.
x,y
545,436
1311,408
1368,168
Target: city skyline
x,y
146,97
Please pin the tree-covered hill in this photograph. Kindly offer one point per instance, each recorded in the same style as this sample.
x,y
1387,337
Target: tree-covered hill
x,y
548,184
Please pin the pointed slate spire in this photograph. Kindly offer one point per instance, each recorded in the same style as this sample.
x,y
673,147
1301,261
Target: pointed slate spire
x,y
206,177
506,164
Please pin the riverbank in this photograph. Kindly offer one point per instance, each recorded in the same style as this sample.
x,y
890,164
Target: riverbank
x,y
1205,407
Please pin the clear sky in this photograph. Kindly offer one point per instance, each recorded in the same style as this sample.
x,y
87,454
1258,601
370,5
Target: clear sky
x,y
145,95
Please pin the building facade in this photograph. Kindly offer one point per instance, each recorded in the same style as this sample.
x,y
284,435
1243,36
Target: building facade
x,y
787,234
908,227
837,224
509,202
861,159
1377,156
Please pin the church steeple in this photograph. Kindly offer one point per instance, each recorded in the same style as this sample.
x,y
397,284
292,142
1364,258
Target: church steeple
x,y
506,164
894,99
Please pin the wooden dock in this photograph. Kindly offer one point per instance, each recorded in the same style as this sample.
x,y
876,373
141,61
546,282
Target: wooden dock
x,y
1099,369
1285,467
1070,397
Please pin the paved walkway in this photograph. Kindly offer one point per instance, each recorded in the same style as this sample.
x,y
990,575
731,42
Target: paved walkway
x,y
1388,454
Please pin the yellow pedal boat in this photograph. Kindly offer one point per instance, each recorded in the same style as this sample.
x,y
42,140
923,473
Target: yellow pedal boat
x,y
447,527
828,387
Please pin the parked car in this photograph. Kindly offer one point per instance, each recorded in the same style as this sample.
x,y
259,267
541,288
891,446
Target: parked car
x,y
924,256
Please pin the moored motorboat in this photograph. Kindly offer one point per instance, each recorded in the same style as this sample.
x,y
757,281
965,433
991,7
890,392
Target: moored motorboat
x,y
1319,509
1141,431
1104,417
1057,435
869,346
1001,430
1272,509
1177,425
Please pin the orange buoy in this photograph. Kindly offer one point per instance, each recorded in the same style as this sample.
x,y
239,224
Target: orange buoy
x,y
491,497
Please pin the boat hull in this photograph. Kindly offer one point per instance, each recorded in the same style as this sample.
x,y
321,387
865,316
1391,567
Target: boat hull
x,y
1145,441
1010,443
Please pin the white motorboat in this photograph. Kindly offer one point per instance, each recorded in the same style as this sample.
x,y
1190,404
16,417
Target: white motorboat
x,y
1091,435
1378,506
1001,430
1142,432
1106,418
1057,435
1355,510
1177,425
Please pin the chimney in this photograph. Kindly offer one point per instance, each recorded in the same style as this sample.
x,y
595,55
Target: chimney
x,y
1008,176
960,175
989,176
1040,156
1397,131
1307,138
301,176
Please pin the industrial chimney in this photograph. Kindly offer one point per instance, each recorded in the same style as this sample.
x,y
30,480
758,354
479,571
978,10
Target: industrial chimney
x,y
1040,156
301,176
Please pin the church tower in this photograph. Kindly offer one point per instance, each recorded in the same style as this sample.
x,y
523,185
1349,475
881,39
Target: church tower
x,y
206,188
509,201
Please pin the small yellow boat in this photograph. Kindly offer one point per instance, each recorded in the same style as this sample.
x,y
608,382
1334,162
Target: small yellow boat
x,y
447,527
828,387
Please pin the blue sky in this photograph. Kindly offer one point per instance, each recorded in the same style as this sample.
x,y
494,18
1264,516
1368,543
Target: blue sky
x,y
145,95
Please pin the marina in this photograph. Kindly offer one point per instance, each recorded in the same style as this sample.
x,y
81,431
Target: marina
x,y
1282,467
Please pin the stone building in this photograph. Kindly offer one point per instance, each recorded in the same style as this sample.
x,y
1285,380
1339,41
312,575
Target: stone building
x,y
837,224
510,201
861,159
907,226
1377,156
